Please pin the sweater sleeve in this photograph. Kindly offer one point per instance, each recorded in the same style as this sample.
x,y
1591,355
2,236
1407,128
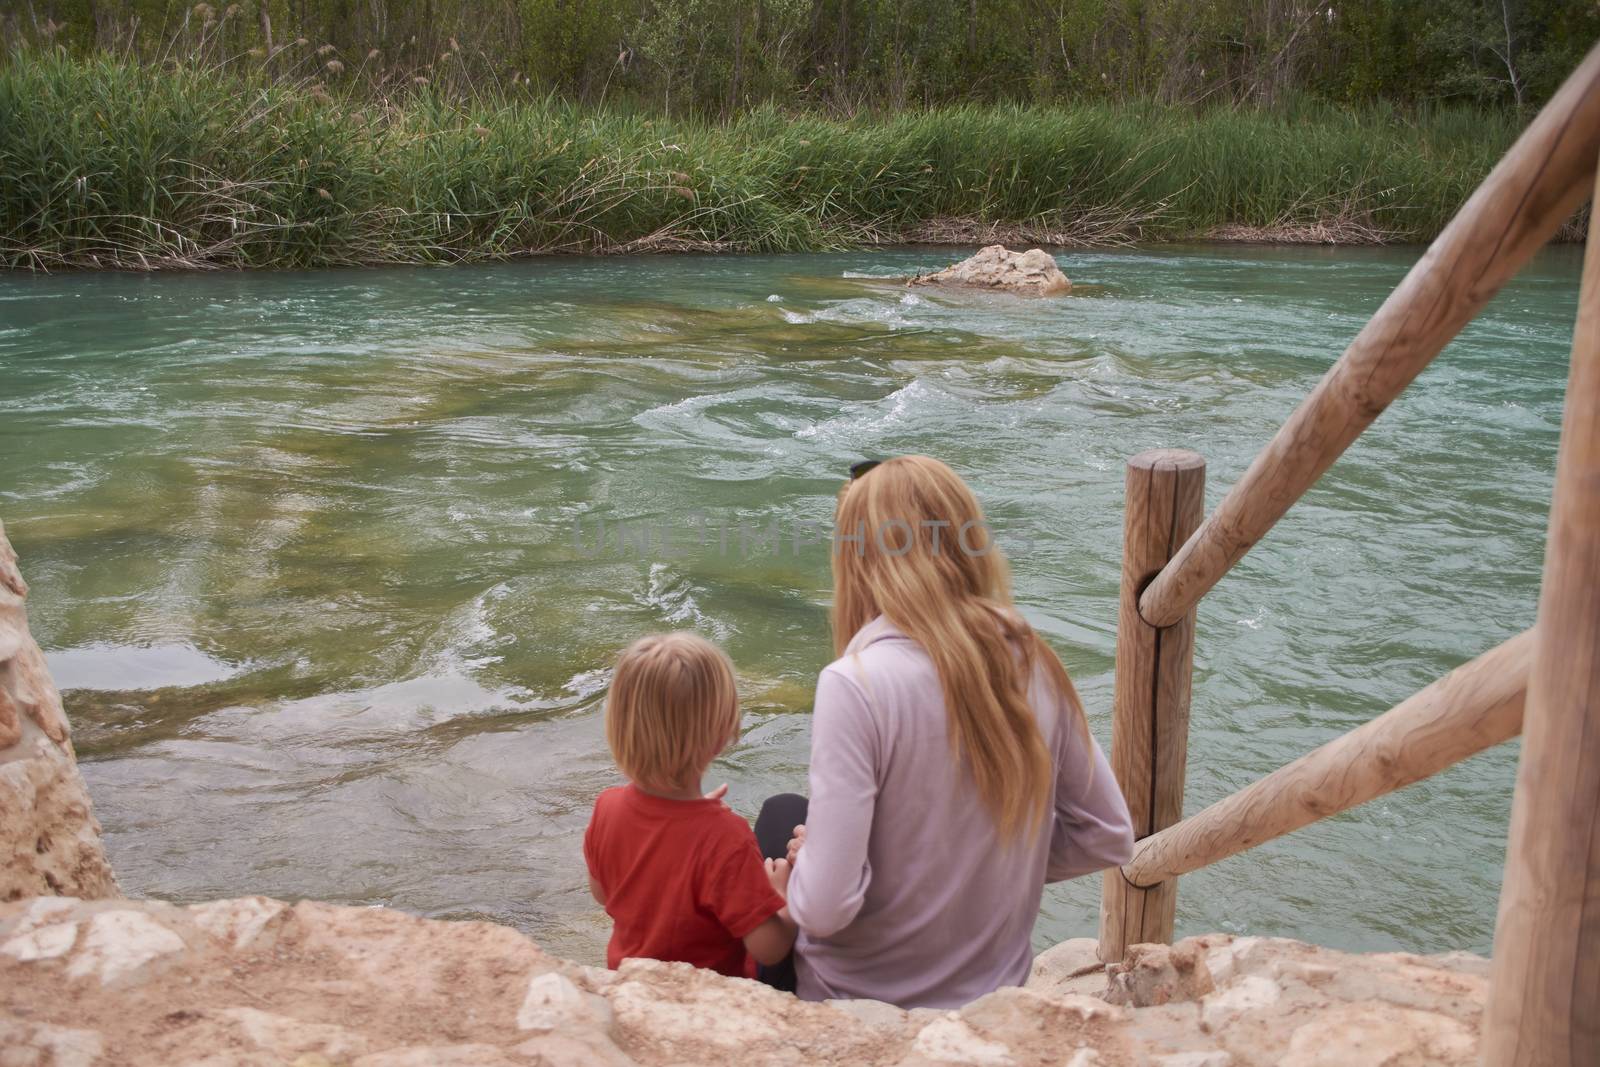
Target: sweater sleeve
x,y
831,873
1093,829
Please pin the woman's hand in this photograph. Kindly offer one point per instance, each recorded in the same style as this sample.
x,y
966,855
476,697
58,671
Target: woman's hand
x,y
778,875
718,793
796,841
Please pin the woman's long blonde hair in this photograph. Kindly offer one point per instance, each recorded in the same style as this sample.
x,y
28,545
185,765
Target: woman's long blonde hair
x,y
912,545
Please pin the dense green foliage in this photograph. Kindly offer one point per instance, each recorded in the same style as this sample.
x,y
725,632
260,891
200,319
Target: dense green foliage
x,y
720,56
112,162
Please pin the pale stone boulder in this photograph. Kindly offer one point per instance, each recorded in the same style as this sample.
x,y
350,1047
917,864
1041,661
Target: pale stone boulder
x,y
1073,966
1376,1032
44,943
675,1013
49,839
950,1040
1159,974
119,943
287,1037
1031,1023
239,922
1033,272
258,983
29,1044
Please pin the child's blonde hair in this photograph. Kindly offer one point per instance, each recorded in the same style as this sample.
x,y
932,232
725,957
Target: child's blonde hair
x,y
673,706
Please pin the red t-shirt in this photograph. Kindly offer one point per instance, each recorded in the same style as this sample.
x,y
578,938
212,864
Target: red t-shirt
x,y
683,879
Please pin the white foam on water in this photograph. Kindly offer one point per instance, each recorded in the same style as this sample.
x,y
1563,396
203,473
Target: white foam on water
x,y
867,421
672,596
586,684
467,638
863,310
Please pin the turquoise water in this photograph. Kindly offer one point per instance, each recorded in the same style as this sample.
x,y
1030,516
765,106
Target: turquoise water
x,y
316,557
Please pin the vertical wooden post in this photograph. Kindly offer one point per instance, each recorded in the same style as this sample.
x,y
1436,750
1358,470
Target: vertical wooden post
x,y
1544,994
1150,708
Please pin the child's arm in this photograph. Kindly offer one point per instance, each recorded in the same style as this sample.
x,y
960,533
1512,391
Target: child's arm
x,y
597,892
773,940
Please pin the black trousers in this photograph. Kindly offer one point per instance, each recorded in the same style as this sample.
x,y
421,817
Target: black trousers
x,y
774,826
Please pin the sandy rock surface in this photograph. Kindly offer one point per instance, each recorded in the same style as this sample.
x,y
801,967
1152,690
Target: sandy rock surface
x,y
256,982
49,839
1033,271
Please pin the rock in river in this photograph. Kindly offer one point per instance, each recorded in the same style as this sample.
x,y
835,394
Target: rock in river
x,y
1033,271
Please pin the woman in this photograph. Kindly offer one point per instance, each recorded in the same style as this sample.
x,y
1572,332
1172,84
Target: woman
x,y
952,769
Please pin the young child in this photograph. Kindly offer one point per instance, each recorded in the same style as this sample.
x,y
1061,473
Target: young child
x,y
678,872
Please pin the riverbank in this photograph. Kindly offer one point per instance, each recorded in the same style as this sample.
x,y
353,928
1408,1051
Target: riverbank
x,y
118,165
255,981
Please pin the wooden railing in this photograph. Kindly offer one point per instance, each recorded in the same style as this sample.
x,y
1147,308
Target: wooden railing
x,y
1544,1002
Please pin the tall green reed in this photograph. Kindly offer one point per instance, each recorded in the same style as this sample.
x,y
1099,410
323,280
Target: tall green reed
x,y
115,164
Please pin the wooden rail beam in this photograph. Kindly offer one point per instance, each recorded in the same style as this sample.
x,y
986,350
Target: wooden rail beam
x,y
1525,199
1150,705
1474,707
1544,990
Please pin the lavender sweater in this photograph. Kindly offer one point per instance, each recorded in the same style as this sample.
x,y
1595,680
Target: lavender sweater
x,y
903,892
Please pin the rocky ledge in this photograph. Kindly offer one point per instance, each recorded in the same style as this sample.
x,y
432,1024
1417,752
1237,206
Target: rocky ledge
x,y
255,982
49,839
994,267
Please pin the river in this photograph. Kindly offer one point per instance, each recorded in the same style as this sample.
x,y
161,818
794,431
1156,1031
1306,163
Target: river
x,y
318,561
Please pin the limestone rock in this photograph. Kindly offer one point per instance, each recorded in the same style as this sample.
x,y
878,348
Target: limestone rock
x,y
553,1002
120,942
1071,967
1380,1033
1213,1058
994,267
49,839
1159,974
950,1040
469,1055
875,1013
288,1038
258,983
1250,993
1037,1024
45,943
675,1013
237,922
25,1044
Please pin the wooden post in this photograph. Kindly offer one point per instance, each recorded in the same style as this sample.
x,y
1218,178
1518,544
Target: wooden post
x,y
1150,706
1544,992
1475,706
